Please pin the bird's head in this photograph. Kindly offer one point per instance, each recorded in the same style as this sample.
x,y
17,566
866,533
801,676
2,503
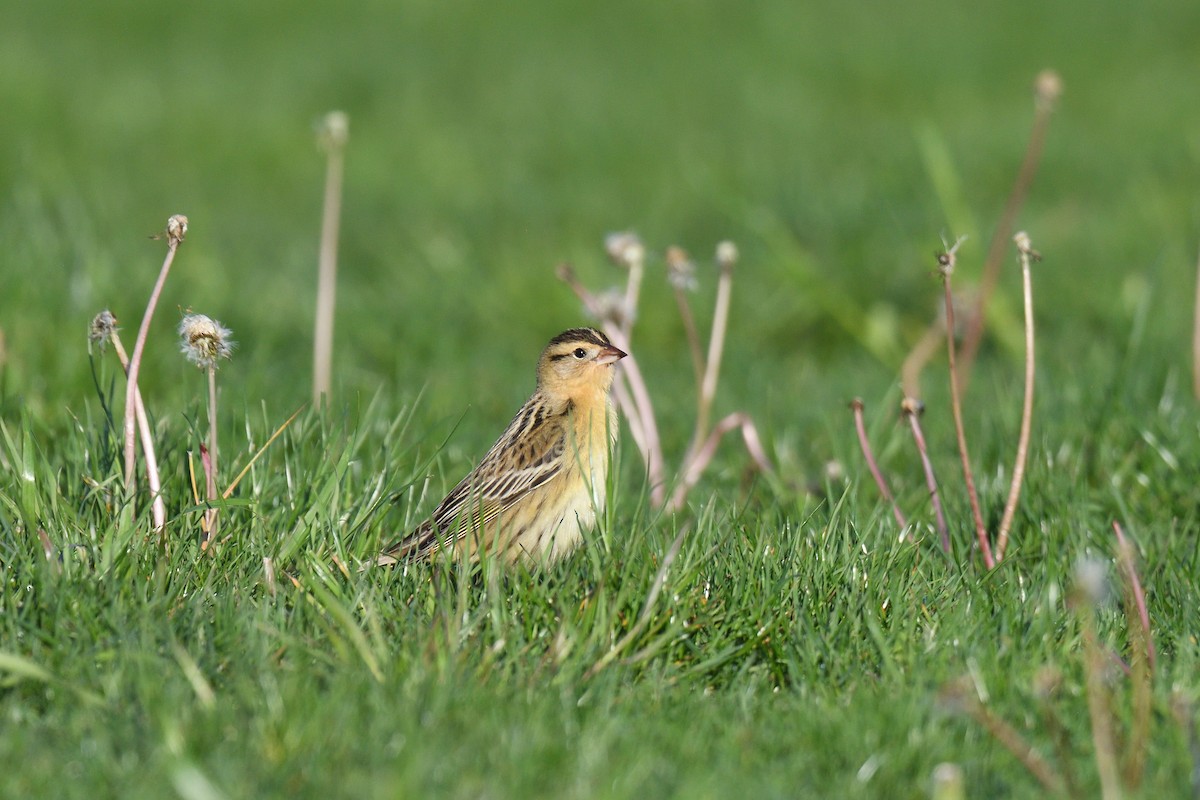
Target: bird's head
x,y
578,360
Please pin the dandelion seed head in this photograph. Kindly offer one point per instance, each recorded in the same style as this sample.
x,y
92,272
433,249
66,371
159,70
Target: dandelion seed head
x,y
948,780
611,306
834,471
1091,580
625,249
911,406
681,272
727,254
1025,247
334,130
204,340
177,227
103,326
1048,86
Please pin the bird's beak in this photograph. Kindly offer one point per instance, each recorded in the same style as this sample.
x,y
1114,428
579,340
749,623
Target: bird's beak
x,y
610,355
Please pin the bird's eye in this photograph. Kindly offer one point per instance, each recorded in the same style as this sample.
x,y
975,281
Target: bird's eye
x,y
580,353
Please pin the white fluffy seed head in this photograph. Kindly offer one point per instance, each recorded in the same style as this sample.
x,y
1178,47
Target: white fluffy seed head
x,y
625,249
334,130
204,340
1091,580
727,254
681,272
1048,87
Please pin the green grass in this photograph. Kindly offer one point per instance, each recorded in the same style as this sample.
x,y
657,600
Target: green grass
x,y
798,647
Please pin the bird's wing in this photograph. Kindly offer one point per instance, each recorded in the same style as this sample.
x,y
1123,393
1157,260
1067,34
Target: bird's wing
x,y
529,454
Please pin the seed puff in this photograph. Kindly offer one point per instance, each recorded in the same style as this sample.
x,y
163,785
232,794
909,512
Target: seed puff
x,y
540,486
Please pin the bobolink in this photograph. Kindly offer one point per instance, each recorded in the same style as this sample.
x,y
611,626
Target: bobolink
x,y
542,483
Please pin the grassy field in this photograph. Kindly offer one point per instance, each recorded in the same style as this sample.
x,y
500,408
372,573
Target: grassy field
x,y
800,646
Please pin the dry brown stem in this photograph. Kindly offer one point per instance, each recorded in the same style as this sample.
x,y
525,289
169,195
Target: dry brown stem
x,y
912,411
1027,254
946,262
175,233
1047,89
335,130
700,460
856,405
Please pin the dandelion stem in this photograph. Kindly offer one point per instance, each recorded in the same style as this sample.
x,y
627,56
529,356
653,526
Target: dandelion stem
x,y
645,414
695,466
158,507
946,267
911,409
638,398
1018,475
1139,595
1060,737
1099,710
693,336
716,345
629,409
176,231
633,288
210,481
335,129
1141,660
1013,742
918,357
865,444
1047,88
1139,735
205,342
681,275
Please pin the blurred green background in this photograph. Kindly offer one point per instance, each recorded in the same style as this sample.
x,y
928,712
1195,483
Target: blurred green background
x,y
490,142
837,144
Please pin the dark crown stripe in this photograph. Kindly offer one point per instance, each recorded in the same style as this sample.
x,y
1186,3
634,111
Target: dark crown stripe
x,y
590,335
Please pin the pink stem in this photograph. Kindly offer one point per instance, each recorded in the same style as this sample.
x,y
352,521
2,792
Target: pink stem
x,y
158,508
1139,595
210,463
1047,91
865,444
716,345
1018,475
176,229
956,406
650,445
707,450
911,409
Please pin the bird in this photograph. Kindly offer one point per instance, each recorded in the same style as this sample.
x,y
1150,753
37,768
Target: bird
x,y
538,489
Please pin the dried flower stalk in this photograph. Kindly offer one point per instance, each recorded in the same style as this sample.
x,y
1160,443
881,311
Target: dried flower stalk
x,y
912,410
946,263
334,132
176,231
104,329
205,341
1047,90
1027,253
864,443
